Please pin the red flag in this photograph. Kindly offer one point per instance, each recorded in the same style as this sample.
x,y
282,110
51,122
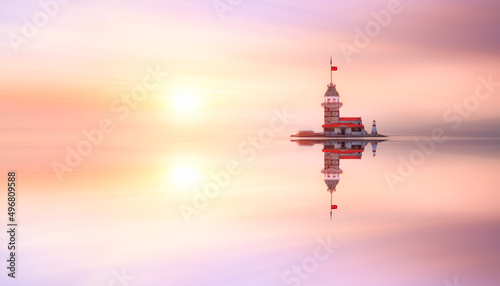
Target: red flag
x,y
334,207
334,68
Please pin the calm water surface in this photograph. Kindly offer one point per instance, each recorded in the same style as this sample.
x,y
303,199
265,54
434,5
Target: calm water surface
x,y
204,213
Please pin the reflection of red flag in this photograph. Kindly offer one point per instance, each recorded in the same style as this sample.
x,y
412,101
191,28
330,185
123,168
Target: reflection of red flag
x,y
334,68
334,207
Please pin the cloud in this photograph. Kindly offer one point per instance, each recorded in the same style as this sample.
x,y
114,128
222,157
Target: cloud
x,y
448,27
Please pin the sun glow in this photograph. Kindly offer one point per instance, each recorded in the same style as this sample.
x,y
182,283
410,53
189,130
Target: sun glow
x,y
185,176
184,99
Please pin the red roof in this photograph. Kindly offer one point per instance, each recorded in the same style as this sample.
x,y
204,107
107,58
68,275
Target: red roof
x,y
343,125
349,157
350,118
348,151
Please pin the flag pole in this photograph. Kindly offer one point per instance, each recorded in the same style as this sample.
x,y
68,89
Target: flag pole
x,y
331,204
331,72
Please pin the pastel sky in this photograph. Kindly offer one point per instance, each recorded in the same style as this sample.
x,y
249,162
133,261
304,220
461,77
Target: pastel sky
x,y
217,79
261,55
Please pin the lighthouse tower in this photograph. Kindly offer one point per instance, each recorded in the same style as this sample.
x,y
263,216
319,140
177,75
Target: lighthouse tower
x,y
374,128
331,104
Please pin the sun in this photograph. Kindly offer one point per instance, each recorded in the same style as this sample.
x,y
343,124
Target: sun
x,y
184,99
185,176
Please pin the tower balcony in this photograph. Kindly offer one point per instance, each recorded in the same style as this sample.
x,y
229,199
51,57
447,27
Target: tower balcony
x,y
332,104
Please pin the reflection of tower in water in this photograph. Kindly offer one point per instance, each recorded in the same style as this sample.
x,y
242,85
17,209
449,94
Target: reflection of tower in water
x,y
334,151
331,174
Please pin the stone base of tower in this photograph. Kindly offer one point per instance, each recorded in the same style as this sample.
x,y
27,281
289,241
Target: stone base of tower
x,y
312,135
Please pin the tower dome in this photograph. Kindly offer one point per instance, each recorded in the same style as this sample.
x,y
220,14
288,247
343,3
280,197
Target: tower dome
x,y
332,171
332,91
332,184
